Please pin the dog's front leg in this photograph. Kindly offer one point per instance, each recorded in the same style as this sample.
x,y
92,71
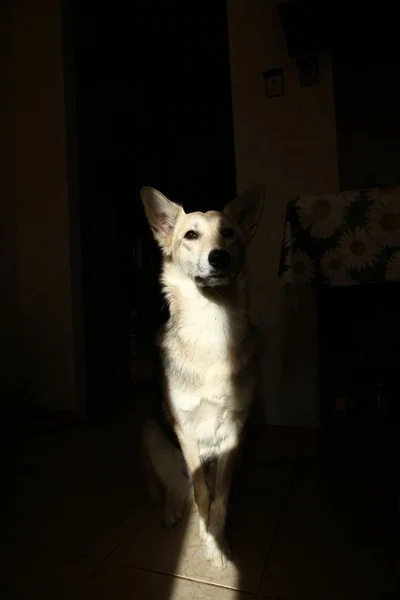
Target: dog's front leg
x,y
217,550
200,490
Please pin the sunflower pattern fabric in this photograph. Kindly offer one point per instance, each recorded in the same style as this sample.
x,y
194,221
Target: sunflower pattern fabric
x,y
342,239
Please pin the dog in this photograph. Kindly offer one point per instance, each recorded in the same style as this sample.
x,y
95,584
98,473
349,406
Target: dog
x,y
209,355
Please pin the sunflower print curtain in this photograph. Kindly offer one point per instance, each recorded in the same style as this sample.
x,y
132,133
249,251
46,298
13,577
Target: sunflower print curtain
x,y
342,239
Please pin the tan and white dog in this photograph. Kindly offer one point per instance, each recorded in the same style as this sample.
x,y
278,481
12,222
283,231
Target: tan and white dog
x,y
209,354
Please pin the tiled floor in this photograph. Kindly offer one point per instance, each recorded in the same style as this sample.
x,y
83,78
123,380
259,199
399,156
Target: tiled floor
x,y
79,526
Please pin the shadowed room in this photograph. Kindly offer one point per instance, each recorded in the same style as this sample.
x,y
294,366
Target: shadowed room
x,y
200,196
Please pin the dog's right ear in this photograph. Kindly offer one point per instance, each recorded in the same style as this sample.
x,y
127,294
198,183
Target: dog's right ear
x,y
161,214
246,210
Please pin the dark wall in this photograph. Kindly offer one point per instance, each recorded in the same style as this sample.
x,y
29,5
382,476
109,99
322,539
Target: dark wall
x,y
366,62
153,108
10,323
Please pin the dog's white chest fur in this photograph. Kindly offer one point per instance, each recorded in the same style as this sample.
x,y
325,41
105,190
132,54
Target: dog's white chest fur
x,y
205,329
204,391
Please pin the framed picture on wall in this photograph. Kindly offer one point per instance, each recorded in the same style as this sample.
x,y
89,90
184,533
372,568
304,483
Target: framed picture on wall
x,y
274,82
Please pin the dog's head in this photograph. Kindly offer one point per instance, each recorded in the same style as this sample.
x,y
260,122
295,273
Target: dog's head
x,y
209,248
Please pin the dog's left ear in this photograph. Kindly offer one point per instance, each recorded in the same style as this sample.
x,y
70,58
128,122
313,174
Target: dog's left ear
x,y
246,210
161,214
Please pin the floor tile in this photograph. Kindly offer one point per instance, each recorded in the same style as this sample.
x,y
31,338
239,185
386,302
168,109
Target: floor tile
x,y
251,526
84,495
329,546
44,574
85,526
264,444
271,484
125,583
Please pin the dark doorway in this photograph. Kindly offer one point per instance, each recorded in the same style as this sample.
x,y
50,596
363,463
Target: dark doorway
x,y
153,107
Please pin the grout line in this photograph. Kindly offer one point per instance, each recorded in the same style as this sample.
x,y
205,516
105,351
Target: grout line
x,y
261,597
132,530
179,576
99,561
84,583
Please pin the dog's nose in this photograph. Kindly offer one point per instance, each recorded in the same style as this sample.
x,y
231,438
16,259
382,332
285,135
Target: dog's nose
x,y
219,259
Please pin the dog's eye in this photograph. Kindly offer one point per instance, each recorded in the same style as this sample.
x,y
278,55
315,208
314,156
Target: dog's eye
x,y
191,235
227,233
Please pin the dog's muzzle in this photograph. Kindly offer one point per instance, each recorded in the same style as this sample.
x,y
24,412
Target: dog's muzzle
x,y
221,273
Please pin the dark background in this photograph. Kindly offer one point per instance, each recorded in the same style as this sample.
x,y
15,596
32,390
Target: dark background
x,y
153,107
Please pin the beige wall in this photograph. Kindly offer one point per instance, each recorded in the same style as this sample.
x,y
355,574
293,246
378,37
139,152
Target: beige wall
x,y
288,143
38,316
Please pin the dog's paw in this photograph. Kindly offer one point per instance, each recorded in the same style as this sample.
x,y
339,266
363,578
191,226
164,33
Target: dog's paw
x,y
218,555
173,513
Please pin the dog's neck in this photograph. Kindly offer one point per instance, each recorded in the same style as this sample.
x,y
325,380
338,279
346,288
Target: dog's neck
x,y
213,323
